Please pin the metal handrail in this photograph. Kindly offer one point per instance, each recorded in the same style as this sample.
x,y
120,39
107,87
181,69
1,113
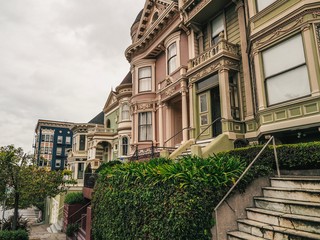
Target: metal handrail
x,y
189,128
242,175
80,209
217,119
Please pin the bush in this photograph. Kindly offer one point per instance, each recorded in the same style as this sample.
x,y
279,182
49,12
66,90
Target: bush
x,y
161,199
74,198
71,229
14,235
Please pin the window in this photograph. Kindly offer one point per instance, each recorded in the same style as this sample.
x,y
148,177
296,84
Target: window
x,y
145,126
59,140
125,113
124,146
217,26
68,140
144,79
59,151
261,4
82,144
203,103
108,123
58,163
172,57
80,170
285,71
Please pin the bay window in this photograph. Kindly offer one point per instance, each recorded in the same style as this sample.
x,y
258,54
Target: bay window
x,y
124,146
125,112
144,78
285,71
145,126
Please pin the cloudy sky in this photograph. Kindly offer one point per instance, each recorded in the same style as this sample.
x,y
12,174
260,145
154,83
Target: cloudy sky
x,y
58,61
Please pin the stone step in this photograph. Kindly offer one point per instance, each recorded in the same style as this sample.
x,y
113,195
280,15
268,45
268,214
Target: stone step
x,y
236,235
267,231
309,195
288,206
311,182
286,220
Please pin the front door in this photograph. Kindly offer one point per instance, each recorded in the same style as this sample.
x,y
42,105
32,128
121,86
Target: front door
x,y
215,111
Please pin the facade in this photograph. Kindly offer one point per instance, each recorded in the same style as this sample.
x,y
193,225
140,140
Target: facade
x,y
53,140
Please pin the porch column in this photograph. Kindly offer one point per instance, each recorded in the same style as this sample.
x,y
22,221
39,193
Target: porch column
x,y
191,109
259,81
311,59
224,93
245,60
161,127
168,124
184,110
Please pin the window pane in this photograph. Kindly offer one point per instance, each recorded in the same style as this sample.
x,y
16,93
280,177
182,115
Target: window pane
x,y
217,25
172,58
145,84
283,56
144,72
172,50
261,4
289,85
172,64
203,103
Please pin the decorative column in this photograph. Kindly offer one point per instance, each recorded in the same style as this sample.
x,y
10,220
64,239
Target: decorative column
x,y
161,127
259,81
184,111
245,60
224,93
191,109
310,58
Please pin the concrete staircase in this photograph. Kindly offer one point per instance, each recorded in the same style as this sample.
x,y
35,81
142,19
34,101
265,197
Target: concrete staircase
x,y
288,210
56,227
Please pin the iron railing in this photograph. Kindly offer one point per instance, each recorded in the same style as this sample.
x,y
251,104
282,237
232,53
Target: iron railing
x,y
148,153
186,128
210,125
243,174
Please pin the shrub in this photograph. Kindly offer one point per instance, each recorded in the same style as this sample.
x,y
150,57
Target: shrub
x,y
71,229
14,235
161,199
74,198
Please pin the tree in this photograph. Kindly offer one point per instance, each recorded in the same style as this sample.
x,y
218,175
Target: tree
x,y
29,184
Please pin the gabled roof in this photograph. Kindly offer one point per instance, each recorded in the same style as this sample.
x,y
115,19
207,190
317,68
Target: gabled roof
x,y
112,99
150,8
99,119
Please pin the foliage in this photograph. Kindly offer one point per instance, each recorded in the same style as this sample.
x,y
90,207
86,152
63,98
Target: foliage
x,y
27,184
74,198
161,199
71,229
7,224
14,235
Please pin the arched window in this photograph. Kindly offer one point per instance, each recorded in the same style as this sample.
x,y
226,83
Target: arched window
x,y
124,146
125,112
108,123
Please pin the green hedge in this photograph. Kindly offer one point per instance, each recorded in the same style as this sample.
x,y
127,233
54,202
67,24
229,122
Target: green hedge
x,y
161,199
14,235
74,198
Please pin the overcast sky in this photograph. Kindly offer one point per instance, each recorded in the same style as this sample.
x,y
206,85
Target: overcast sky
x,y
59,60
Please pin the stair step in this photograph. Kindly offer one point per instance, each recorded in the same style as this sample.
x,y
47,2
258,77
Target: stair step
x,y
311,182
236,235
293,221
267,231
288,206
310,195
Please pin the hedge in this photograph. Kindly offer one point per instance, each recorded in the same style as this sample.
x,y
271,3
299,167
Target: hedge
x,y
162,199
14,235
74,198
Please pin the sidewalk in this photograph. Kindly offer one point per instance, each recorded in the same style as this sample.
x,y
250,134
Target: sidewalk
x,y
40,232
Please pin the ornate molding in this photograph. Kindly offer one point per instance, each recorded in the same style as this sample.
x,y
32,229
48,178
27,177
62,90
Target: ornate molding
x,y
205,72
169,91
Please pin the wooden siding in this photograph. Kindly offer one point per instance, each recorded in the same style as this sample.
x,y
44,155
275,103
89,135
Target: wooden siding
x,y
232,25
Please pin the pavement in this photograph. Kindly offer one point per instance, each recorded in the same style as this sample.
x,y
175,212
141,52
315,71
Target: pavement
x,y
39,232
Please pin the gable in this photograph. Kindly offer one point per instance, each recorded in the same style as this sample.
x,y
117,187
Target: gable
x,y
112,99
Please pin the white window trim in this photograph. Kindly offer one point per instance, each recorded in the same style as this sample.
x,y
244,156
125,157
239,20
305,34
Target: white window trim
x,y
141,64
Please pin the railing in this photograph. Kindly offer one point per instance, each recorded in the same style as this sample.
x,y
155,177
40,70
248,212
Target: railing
x,y
222,45
148,153
244,173
210,125
90,179
84,206
186,128
101,130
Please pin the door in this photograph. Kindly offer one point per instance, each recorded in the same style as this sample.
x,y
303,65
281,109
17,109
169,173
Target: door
x,y
215,111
